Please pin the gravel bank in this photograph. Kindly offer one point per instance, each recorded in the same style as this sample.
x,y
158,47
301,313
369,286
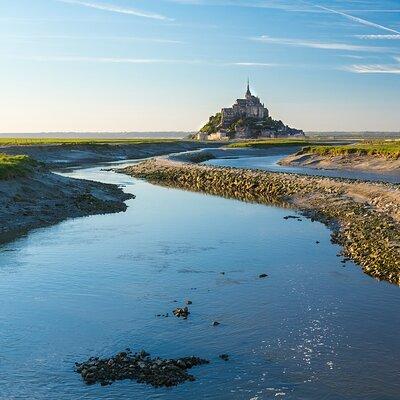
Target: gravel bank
x,y
364,217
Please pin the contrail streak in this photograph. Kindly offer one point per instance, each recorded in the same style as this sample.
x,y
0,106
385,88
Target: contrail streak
x,y
355,19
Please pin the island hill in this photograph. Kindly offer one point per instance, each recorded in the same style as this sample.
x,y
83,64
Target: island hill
x,y
248,118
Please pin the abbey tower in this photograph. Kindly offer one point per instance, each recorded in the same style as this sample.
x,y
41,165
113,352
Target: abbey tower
x,y
249,107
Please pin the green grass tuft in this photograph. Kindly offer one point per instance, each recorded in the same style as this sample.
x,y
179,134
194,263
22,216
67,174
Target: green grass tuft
x,y
15,166
388,149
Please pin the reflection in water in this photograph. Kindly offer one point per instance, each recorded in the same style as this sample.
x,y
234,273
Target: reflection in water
x,y
92,286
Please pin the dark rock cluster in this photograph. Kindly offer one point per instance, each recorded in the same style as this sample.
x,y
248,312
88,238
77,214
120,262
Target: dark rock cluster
x,y
140,367
181,312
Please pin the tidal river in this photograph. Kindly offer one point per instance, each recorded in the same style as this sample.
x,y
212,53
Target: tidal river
x,y
314,329
257,159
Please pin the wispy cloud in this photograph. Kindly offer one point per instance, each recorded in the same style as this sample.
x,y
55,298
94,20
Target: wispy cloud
x,y
318,45
285,5
123,60
379,37
353,56
357,19
374,10
117,9
113,60
254,64
374,69
96,38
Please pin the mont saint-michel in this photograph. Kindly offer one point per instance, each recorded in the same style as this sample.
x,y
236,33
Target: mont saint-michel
x,y
142,257
248,118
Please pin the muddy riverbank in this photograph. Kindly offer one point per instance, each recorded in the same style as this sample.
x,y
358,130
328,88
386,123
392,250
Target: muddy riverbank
x,y
70,155
370,163
364,216
42,198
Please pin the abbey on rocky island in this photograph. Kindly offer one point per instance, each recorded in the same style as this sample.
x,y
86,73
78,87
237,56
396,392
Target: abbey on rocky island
x,y
248,118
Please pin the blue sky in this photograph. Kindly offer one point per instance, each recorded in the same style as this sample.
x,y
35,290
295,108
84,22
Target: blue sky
x,y
158,65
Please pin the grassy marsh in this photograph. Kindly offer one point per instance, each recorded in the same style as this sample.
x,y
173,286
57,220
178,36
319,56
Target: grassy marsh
x,y
84,142
15,166
387,149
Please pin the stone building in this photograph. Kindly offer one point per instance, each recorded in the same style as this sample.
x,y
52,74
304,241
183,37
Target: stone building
x,y
249,107
202,136
220,135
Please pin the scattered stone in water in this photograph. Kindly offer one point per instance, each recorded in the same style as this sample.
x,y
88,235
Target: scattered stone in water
x,y
215,323
189,302
292,217
139,367
181,312
224,357
263,276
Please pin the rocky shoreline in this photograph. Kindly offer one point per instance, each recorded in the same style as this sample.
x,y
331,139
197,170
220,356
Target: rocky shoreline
x,y
43,198
364,216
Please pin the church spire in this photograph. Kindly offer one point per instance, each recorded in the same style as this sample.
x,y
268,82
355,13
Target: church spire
x,y
248,93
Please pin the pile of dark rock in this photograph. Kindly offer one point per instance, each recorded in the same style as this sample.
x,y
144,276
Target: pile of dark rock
x,y
140,367
181,312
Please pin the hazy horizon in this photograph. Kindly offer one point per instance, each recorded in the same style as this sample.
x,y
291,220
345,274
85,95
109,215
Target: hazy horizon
x,y
167,65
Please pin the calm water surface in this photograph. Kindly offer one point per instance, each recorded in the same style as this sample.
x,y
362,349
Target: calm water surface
x,y
257,160
314,329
